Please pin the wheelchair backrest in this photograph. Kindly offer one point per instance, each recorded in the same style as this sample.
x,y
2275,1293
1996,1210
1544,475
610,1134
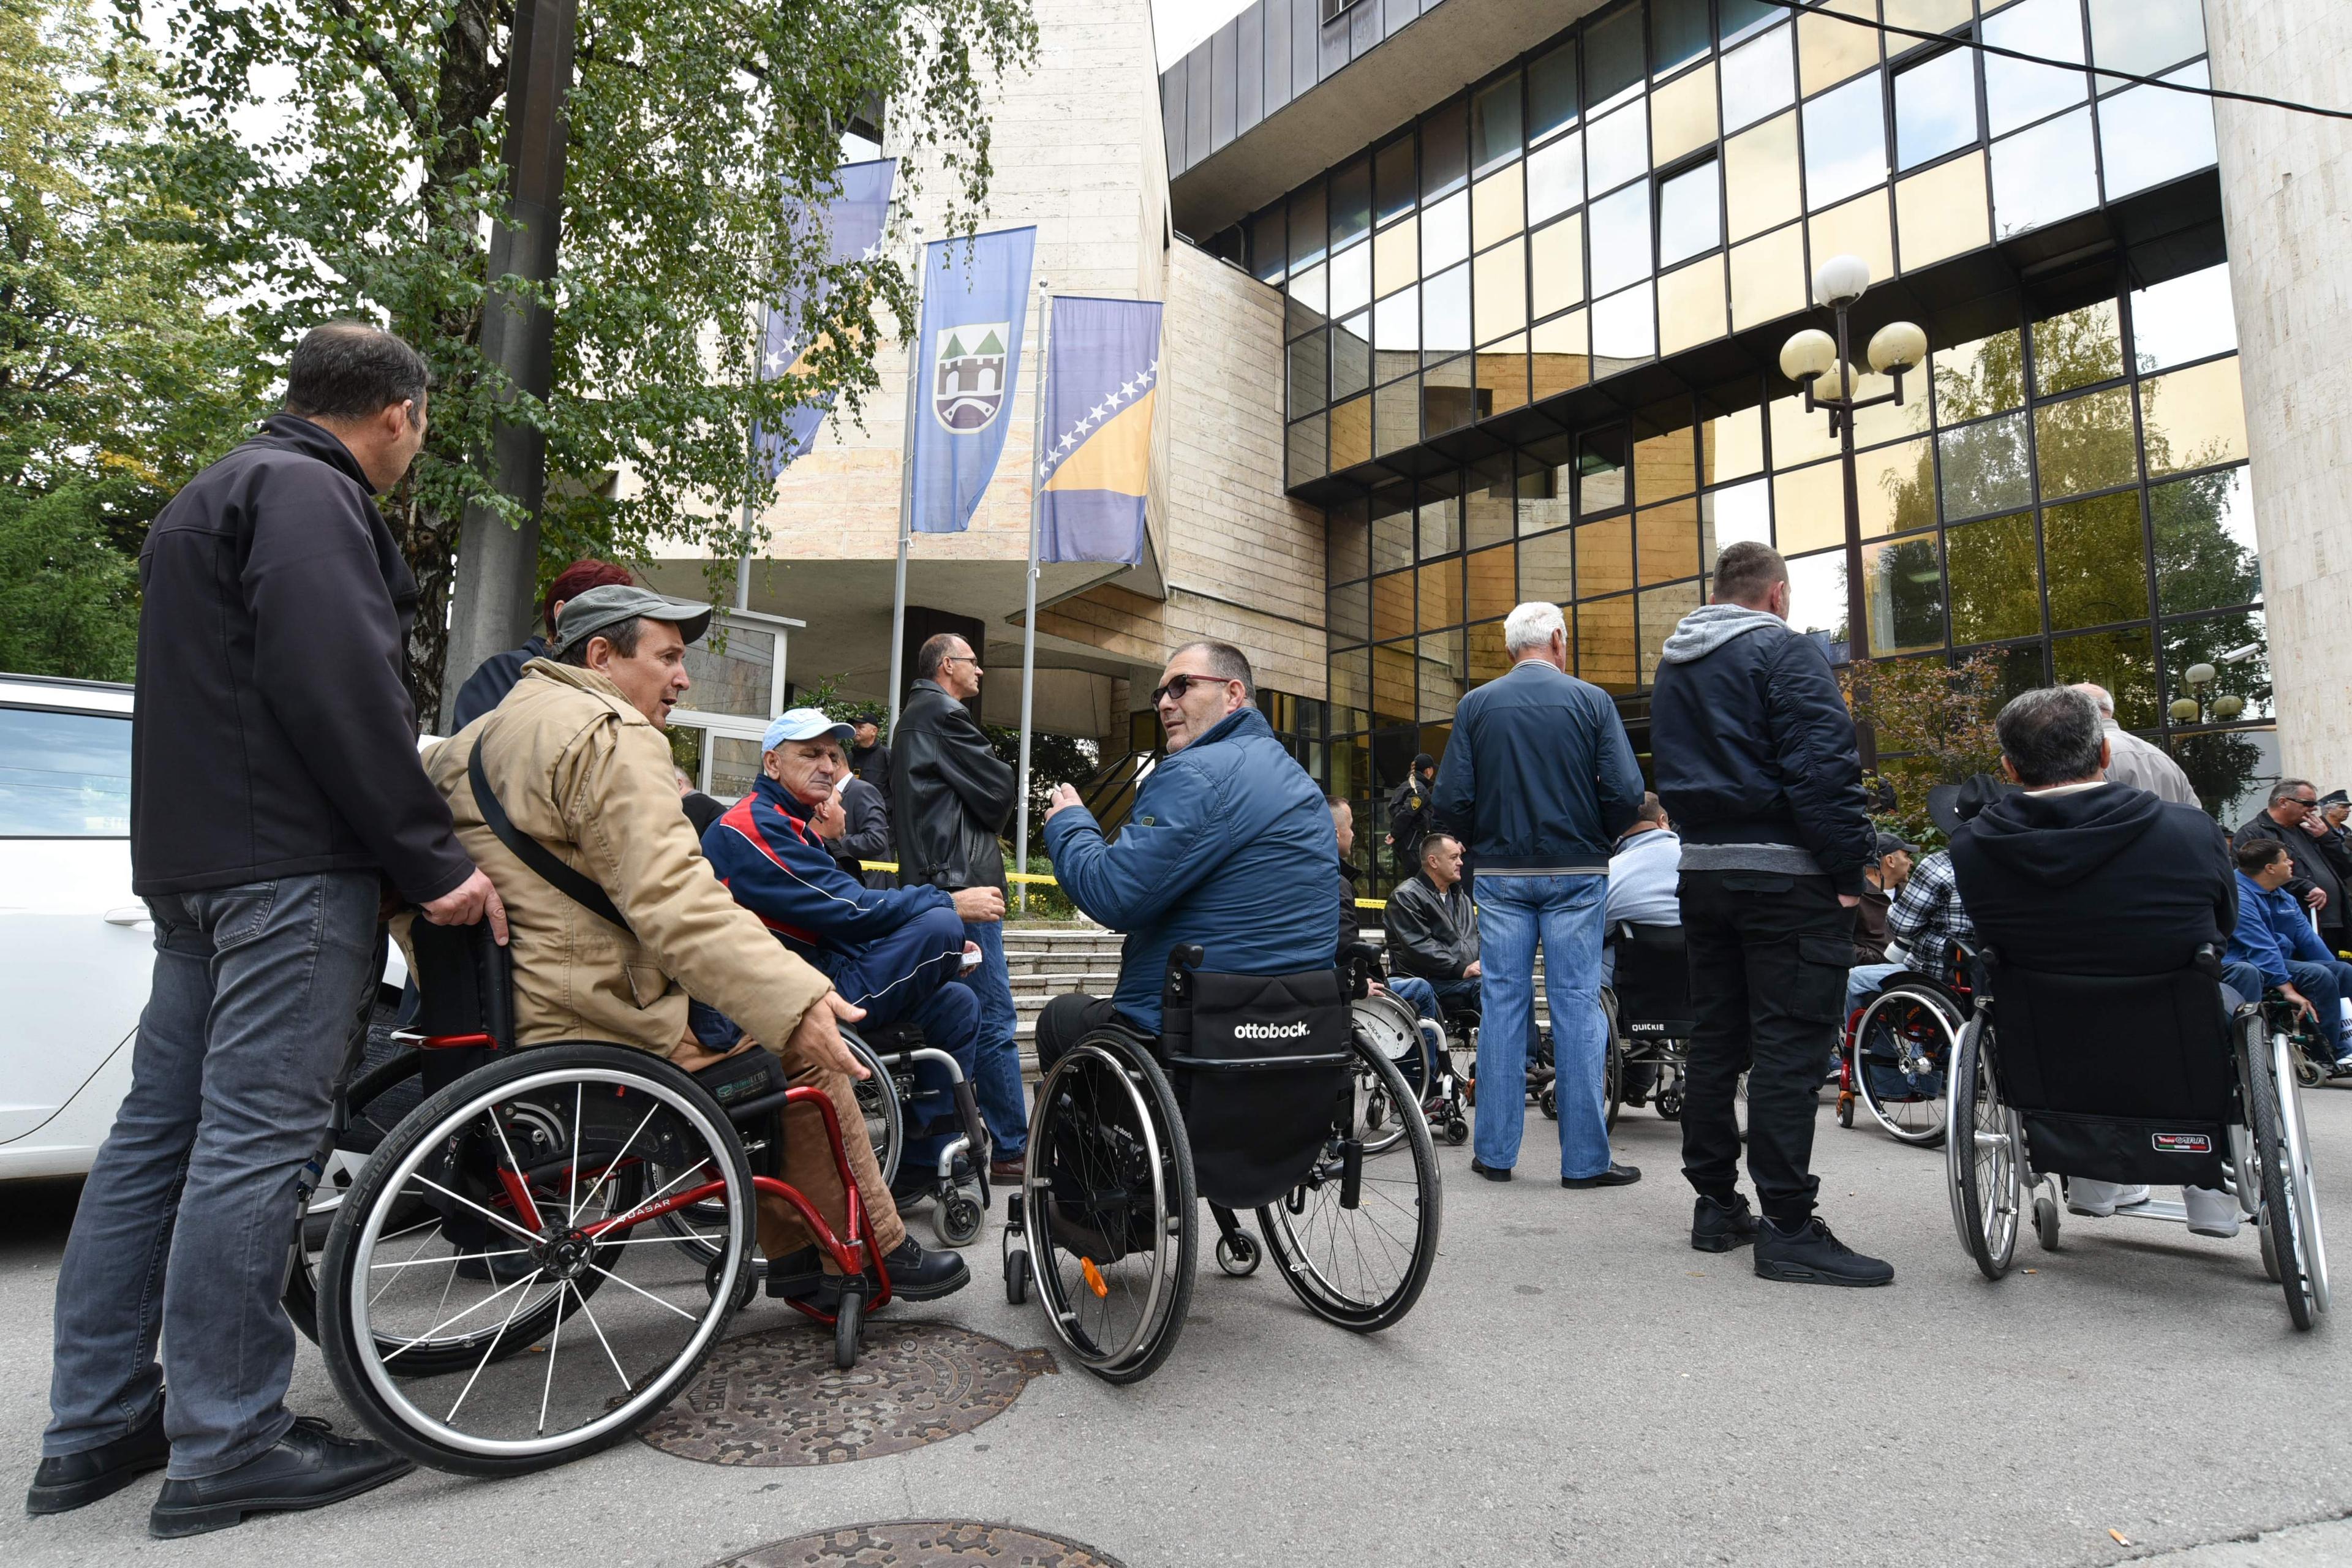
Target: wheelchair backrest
x,y
1653,982
1259,1062
465,984
2138,1047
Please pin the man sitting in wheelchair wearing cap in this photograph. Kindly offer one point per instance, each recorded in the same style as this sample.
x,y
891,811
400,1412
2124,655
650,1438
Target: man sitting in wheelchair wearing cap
x,y
575,758
897,953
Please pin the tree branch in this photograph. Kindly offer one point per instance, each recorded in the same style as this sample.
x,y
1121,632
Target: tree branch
x,y
374,56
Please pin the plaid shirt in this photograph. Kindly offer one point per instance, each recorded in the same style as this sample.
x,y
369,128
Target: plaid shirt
x,y
1926,913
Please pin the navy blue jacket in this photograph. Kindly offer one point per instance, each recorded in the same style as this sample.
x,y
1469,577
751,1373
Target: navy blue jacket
x,y
492,679
1539,776
1228,845
777,867
1752,744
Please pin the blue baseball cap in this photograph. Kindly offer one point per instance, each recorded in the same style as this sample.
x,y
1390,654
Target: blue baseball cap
x,y
804,724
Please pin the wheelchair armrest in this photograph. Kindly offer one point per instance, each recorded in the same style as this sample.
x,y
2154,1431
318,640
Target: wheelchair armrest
x,y
2207,960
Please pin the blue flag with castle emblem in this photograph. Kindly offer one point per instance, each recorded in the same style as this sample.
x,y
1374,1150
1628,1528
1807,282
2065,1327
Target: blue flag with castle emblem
x,y
854,221
1102,377
966,357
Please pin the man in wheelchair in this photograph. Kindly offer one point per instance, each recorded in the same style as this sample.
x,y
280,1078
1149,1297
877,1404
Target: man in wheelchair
x,y
1433,931
564,793
2276,936
897,953
2090,878
1228,846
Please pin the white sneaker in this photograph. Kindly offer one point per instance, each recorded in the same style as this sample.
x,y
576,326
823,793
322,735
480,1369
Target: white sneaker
x,y
2100,1200
2211,1212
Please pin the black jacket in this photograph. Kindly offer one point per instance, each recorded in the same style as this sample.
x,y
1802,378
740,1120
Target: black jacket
x,y
491,681
701,809
950,795
872,764
275,734
1409,816
866,836
2313,869
1752,744
2109,880
1431,934
1350,934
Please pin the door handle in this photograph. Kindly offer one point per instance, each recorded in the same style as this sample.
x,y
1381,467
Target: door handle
x,y
129,915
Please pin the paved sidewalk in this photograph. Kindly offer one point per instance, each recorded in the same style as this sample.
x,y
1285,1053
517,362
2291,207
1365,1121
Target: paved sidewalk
x,y
1576,1386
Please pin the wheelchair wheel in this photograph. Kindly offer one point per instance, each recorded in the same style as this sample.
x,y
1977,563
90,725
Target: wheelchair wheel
x,y
958,1218
2281,1170
1981,1157
877,1097
1389,1030
1112,1230
1356,1239
484,1225
2045,1221
383,1094
1901,1059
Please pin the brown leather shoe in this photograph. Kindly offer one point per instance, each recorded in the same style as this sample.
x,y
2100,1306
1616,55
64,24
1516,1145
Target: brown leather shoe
x,y
1005,1171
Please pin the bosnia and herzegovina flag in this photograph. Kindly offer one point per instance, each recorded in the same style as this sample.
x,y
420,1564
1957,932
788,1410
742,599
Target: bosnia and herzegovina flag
x,y
1102,375
854,220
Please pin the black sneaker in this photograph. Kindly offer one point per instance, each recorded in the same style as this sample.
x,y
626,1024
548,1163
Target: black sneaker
x,y
1719,1227
307,1467
68,1481
1809,1255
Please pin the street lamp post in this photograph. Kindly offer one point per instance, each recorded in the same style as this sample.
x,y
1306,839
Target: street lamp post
x,y
1895,348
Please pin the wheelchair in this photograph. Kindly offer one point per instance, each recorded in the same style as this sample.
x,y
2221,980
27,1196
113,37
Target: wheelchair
x,y
1253,1096
1897,1054
1416,1048
1650,1019
958,1189
585,1200
2128,1079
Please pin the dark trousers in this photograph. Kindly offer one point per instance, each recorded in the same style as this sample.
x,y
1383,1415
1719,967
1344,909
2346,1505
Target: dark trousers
x,y
1767,959
1069,1018
913,973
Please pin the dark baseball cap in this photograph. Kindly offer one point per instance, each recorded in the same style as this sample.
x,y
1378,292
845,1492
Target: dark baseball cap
x,y
1888,844
599,609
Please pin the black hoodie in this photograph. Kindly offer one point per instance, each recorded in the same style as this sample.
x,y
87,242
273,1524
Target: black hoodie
x,y
2108,880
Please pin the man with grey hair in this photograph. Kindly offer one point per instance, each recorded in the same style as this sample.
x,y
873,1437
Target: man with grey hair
x,y
1757,760
2292,818
1540,779
2134,761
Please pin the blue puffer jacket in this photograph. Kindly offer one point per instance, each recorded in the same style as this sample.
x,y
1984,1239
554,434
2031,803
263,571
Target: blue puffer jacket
x,y
1229,845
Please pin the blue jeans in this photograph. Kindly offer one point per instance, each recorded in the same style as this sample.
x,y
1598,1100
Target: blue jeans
x,y
185,1221
1564,914
1863,979
1002,1105
1422,995
2325,986
912,973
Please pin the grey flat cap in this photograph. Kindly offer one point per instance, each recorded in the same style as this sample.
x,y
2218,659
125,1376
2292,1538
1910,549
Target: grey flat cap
x,y
609,606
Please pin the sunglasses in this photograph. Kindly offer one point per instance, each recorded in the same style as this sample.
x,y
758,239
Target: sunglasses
x,y
1178,685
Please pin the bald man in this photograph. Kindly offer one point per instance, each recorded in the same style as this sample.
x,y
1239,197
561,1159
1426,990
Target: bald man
x,y
2134,761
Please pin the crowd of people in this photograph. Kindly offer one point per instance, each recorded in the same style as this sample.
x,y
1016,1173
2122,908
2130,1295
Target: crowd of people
x,y
281,809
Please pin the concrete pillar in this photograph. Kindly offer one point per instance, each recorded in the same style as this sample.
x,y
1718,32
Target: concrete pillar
x,y
2286,201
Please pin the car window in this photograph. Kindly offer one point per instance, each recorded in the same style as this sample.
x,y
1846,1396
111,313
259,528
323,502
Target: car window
x,y
63,775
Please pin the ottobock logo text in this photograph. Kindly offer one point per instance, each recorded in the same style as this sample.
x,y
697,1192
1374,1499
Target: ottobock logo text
x,y
1271,1031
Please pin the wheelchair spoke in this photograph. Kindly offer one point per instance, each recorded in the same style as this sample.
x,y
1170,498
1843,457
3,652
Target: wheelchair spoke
x,y
657,1301
572,1166
523,1285
486,1213
606,1174
489,1350
554,1343
589,1313
412,1261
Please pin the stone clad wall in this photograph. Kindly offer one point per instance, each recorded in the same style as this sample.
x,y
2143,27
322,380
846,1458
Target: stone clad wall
x,y
2287,200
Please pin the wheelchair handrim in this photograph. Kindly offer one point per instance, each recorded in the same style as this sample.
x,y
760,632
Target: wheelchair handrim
x,y
1050,1287
2309,1244
633,1408
1990,1232
1932,1124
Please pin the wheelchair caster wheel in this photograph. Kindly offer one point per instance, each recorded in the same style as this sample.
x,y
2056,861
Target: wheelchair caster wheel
x,y
958,1219
1457,1131
1549,1103
2046,1224
1845,1111
1016,1278
849,1316
1670,1105
2308,1073
1238,1255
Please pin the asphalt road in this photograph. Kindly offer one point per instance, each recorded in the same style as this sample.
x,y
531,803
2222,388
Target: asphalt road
x,y
1576,1386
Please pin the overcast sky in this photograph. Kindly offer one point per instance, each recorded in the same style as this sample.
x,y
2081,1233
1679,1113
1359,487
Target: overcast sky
x,y
1181,24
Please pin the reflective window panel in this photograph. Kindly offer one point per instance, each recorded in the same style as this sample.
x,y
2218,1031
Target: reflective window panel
x,y
1760,78
2017,94
1935,108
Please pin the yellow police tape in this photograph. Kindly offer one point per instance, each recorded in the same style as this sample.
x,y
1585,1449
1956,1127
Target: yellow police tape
x,y
1050,883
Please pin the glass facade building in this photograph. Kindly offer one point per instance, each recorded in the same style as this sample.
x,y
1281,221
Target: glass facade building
x,y
1530,340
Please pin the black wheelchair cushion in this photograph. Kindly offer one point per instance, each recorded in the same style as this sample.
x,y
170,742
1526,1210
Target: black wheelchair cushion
x,y
1652,983
2118,1077
1260,1064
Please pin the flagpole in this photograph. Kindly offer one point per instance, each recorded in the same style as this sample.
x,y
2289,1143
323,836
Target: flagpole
x,y
906,492
1029,623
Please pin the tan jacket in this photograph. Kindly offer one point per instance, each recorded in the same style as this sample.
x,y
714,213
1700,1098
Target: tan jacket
x,y
589,776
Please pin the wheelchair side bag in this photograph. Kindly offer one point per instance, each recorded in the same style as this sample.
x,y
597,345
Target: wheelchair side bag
x,y
1259,1062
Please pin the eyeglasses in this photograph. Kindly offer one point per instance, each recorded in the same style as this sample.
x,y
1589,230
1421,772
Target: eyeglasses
x,y
1178,685
971,660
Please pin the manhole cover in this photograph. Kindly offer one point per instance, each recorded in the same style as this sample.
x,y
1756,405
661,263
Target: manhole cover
x,y
776,1399
923,1543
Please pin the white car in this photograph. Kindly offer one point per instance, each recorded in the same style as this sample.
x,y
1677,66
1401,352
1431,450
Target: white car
x,y
76,947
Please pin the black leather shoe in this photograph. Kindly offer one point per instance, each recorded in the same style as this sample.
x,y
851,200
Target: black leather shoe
x,y
307,1467
1719,1227
1616,1176
68,1481
1809,1255
919,1276
1489,1172
796,1276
